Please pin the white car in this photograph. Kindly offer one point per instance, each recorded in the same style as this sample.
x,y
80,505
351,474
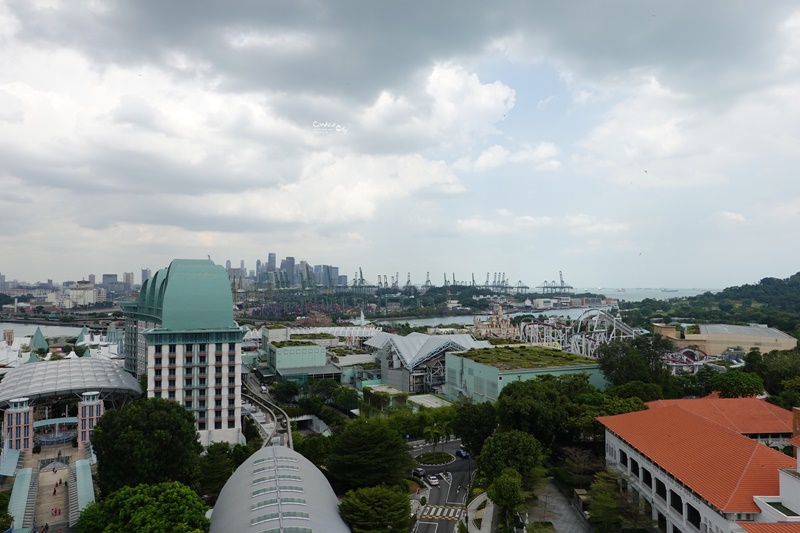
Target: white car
x,y
433,481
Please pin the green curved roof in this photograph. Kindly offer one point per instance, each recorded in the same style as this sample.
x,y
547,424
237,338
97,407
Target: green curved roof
x,y
190,294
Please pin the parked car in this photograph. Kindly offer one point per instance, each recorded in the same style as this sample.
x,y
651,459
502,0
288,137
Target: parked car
x,y
461,452
433,480
419,472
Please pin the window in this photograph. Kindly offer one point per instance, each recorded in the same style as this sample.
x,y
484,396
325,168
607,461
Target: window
x,y
171,361
232,369
232,380
172,348
217,403
232,358
201,425
158,372
218,424
218,359
231,402
203,403
231,424
634,468
189,360
676,502
661,489
188,382
218,413
202,359
217,381
158,361
623,458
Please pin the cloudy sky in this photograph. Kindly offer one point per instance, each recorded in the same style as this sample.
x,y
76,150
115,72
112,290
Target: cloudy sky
x,y
625,143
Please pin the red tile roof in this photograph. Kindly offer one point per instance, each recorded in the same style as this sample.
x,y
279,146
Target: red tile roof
x,y
743,415
722,466
794,441
770,527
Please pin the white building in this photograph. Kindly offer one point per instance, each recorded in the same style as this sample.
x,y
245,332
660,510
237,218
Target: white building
x,y
698,476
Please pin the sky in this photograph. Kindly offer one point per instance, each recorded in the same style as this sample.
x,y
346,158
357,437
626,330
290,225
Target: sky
x,y
623,143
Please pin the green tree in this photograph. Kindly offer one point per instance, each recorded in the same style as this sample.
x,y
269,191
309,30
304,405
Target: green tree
x,y
506,492
737,384
285,391
161,508
604,501
345,398
510,449
148,441
372,509
324,389
583,424
533,406
216,466
367,454
474,423
638,359
647,392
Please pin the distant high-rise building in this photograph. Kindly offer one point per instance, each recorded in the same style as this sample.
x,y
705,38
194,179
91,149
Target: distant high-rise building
x,y
109,278
2,281
145,275
228,265
271,258
241,266
258,267
342,281
288,267
92,279
127,277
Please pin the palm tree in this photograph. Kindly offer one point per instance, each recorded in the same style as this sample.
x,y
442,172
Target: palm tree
x,y
432,435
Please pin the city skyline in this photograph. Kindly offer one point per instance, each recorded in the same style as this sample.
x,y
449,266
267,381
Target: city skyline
x,y
626,145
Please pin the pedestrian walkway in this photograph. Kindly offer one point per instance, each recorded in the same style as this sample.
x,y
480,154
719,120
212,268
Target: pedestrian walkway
x,y
477,511
442,512
551,506
48,501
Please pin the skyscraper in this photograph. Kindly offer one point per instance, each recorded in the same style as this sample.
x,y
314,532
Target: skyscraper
x,y
271,258
181,334
145,275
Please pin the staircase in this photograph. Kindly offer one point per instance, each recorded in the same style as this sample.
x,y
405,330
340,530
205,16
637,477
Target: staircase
x,y
30,504
73,511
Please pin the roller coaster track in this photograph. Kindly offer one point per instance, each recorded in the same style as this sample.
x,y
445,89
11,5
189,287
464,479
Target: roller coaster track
x,y
583,336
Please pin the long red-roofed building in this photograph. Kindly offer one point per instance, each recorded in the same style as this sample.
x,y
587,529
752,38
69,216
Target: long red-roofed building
x,y
751,417
699,475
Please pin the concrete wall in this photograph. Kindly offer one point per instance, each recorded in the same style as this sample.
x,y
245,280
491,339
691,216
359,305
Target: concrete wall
x,y
483,383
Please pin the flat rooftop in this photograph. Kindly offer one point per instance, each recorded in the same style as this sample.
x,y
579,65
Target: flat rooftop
x,y
522,356
428,400
751,331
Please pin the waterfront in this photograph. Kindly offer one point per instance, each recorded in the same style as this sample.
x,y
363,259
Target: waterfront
x,y
27,330
628,295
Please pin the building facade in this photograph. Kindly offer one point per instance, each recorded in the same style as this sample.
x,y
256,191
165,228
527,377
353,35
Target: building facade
x,y
180,334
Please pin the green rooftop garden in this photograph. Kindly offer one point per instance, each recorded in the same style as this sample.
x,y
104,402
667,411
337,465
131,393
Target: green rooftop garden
x,y
524,356
284,344
298,336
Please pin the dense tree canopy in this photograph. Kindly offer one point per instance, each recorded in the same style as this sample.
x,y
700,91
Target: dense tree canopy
x,y
368,453
638,359
534,407
510,449
506,492
216,466
474,423
372,509
737,384
147,441
162,508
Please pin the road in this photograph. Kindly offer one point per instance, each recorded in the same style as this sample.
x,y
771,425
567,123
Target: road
x,y
445,504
